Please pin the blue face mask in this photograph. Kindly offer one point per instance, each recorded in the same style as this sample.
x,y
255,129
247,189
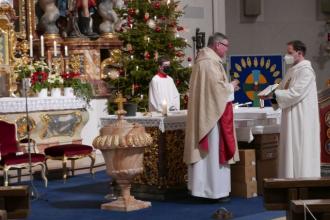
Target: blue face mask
x,y
167,69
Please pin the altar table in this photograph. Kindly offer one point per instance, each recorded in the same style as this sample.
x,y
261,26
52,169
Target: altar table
x,y
165,173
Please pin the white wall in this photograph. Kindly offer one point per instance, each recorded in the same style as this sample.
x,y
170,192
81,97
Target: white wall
x,y
281,21
208,15
97,110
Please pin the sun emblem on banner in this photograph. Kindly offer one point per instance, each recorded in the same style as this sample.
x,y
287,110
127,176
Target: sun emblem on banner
x,y
255,73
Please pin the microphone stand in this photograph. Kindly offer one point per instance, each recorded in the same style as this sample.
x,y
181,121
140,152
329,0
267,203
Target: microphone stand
x,y
33,190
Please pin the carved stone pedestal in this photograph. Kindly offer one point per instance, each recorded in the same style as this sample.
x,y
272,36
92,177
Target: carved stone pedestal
x,y
123,164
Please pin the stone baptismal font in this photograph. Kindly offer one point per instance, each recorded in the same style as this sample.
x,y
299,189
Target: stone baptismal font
x,y
122,145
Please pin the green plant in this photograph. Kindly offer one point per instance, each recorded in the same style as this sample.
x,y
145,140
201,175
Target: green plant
x,y
82,90
23,71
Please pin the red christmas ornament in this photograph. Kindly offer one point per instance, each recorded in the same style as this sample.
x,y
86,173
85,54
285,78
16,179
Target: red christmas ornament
x,y
121,72
146,16
172,24
146,55
179,53
170,45
177,82
156,5
136,86
158,29
189,59
179,28
131,11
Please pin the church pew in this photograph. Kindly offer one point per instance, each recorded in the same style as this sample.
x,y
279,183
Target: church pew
x,y
15,200
279,192
320,208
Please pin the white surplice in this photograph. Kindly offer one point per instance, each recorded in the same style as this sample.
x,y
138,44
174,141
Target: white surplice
x,y
161,89
207,178
299,153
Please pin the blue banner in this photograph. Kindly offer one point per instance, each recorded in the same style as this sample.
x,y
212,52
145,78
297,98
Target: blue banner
x,y
255,73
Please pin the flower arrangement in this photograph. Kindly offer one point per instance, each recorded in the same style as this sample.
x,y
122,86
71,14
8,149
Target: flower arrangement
x,y
55,81
23,71
81,88
69,78
39,78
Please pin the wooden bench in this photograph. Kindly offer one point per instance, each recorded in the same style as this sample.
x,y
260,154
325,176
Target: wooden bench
x,y
320,208
279,192
15,200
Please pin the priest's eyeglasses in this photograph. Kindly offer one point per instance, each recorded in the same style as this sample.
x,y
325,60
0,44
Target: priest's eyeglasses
x,y
226,45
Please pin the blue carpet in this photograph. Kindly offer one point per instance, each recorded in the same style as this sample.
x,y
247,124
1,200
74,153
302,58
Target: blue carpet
x,y
81,197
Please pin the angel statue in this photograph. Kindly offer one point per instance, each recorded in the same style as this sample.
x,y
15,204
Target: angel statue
x,y
109,16
47,23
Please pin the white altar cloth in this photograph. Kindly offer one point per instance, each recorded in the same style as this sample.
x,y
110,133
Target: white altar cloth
x,y
248,121
16,105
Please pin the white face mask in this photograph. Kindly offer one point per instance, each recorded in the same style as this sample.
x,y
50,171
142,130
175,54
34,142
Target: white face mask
x,y
288,59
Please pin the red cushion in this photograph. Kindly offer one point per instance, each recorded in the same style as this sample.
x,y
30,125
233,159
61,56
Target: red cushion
x,y
68,150
11,159
8,142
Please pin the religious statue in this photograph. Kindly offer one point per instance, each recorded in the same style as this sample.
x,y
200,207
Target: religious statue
x,y
48,20
75,20
109,16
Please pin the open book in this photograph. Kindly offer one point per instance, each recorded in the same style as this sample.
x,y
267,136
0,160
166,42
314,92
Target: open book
x,y
268,90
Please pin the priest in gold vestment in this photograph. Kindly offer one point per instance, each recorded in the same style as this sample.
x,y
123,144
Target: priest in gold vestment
x,y
210,141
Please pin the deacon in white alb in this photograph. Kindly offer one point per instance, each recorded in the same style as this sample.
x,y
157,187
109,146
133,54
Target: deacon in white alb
x,y
162,88
299,154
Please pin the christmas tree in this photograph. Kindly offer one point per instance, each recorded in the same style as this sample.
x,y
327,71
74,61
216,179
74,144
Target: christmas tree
x,y
150,30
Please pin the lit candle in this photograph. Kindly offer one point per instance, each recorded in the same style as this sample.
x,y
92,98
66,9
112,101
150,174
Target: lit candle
x,y
148,39
132,57
42,46
31,45
168,2
137,68
262,103
155,18
164,107
131,25
55,49
66,52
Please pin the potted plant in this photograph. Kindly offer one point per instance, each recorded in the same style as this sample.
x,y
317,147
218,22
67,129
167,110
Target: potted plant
x,y
81,89
23,77
55,82
39,78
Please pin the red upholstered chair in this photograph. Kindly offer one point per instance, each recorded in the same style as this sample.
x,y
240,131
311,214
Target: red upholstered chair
x,y
12,157
71,152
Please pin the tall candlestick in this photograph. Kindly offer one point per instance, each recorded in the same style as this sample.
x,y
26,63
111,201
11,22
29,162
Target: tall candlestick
x,y
66,53
31,45
55,49
42,46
